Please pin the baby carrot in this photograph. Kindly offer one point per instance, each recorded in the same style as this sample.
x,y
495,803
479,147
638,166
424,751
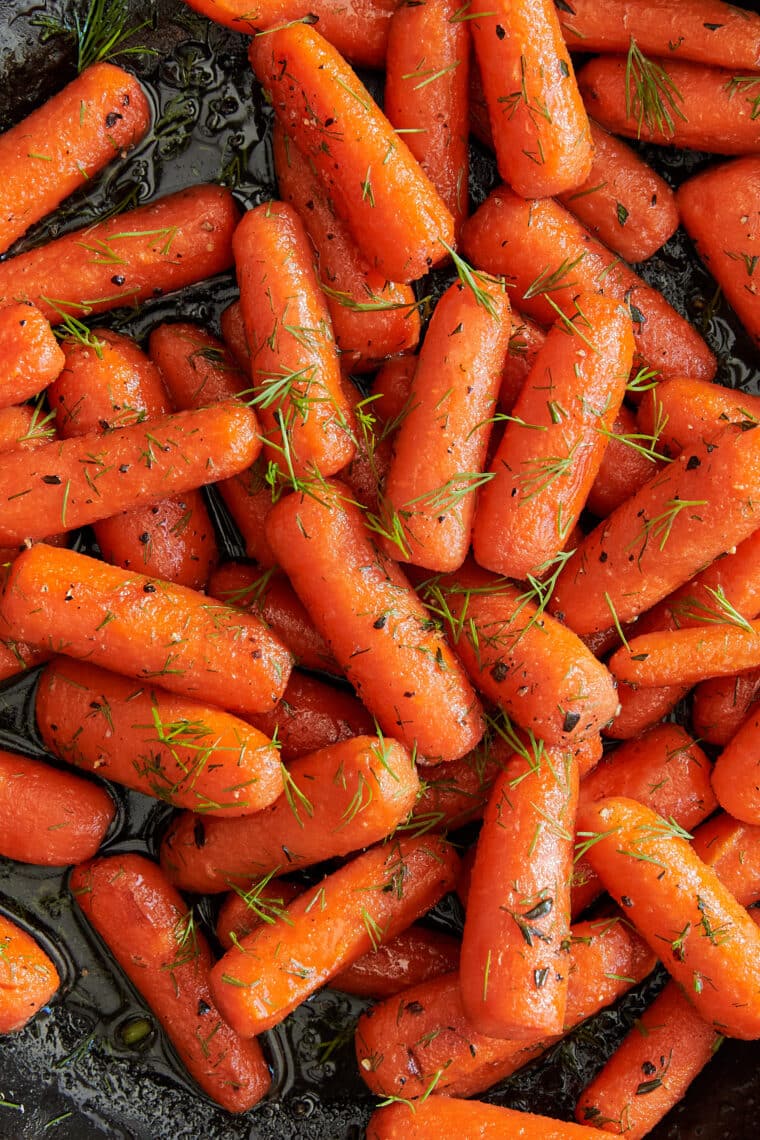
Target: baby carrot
x,y
372,318
154,938
456,792
91,477
243,910
234,335
732,849
524,343
439,450
48,817
311,715
378,630
364,903
680,907
28,978
391,389
540,128
368,470
696,107
682,411
414,956
470,1120
154,249
735,775
716,208
337,800
685,656
394,212
30,358
549,258
722,703
426,92
152,630
61,146
630,459
15,656
553,445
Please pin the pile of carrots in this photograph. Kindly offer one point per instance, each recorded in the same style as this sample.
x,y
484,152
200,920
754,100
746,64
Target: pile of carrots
x,y
476,558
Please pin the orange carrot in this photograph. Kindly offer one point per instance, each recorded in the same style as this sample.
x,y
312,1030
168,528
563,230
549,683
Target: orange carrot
x,y
234,336
376,627
368,470
154,249
457,791
153,937
715,208
549,257
735,776
356,908
337,800
732,849
685,656
540,128
61,146
391,389
311,715
48,817
630,459
28,978
470,1120
29,354
722,703
526,340
682,411
152,630
411,958
16,656
243,910
394,212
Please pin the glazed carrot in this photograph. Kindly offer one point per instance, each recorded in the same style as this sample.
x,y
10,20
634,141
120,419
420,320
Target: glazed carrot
x,y
439,450
359,30
376,627
685,656
28,978
708,31
73,604
312,715
457,791
234,336
24,425
371,317
16,656
294,362
92,477
650,1072
722,703
154,249
549,257
394,212
337,800
471,1120
512,971
426,91
686,515
553,445
48,817
410,959
61,146
526,340
244,910
735,775
404,1042
368,470
703,935
715,208
355,909
682,412
29,354
703,108
540,127
188,754
629,460
523,660
732,849
152,935
391,389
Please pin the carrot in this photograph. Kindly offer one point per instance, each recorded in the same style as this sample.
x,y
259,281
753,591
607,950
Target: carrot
x,y
553,445
337,800
311,715
368,470
630,459
394,212
685,656
234,335
143,253
691,106
294,362
735,776
154,939
359,30
16,656
439,450
244,910
391,389
28,978
549,258
681,411
650,1072
376,627
707,31
61,146
422,1036
540,127
371,317
411,958
471,1120
426,92
48,817
526,340
686,515
512,973
359,906
722,703
70,603
456,792
24,425
715,208
523,660
92,477
732,849
29,354
185,753
705,938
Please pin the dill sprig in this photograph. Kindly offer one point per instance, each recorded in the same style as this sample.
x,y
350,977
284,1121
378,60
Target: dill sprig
x,y
745,84
71,328
474,280
100,30
721,613
651,96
